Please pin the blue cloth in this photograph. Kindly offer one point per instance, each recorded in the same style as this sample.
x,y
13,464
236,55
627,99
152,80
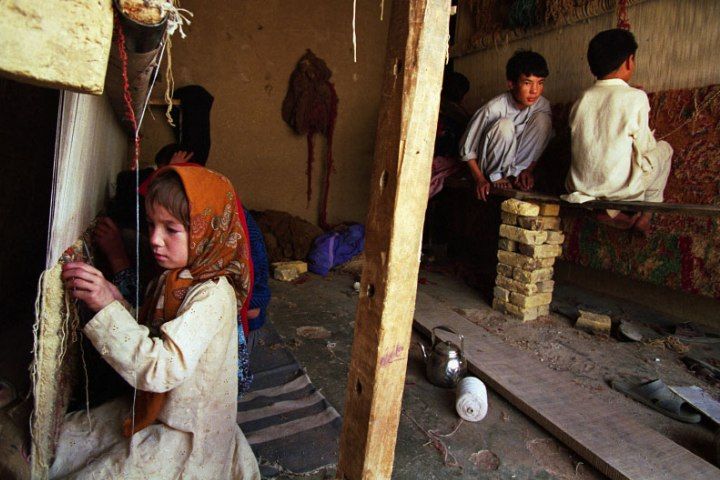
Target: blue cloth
x,y
261,290
335,248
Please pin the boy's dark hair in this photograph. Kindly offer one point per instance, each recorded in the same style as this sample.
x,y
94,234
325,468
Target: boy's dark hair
x,y
164,155
167,190
455,86
609,49
528,63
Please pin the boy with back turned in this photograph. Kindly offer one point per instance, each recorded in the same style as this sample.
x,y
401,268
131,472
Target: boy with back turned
x,y
614,153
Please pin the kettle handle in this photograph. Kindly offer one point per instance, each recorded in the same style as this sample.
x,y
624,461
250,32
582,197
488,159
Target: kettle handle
x,y
447,329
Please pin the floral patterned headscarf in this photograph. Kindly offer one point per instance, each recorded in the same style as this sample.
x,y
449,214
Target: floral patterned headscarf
x,y
218,247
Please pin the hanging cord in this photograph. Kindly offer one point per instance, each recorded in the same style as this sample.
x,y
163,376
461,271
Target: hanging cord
x,y
170,85
130,113
623,19
127,97
176,18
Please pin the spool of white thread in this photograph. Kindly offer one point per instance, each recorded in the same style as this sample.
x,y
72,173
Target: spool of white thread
x,y
471,403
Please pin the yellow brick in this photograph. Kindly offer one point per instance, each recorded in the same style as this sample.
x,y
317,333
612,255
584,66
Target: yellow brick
x,y
550,209
507,245
543,310
532,276
593,322
506,270
523,261
508,218
529,301
499,305
285,274
539,223
524,314
520,235
541,251
555,238
517,207
298,265
501,294
288,271
515,286
545,287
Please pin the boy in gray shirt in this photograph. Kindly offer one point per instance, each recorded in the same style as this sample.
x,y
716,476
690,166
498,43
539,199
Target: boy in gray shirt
x,y
507,135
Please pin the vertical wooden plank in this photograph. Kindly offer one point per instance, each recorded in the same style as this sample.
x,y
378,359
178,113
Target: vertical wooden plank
x,y
417,47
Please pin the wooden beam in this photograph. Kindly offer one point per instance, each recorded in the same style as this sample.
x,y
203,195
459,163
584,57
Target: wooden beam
x,y
599,431
417,48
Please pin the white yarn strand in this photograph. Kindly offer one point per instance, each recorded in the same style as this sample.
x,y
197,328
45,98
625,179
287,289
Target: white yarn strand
x,y
87,386
354,36
34,375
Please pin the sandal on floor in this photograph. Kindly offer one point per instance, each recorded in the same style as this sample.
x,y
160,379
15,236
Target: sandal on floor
x,y
655,394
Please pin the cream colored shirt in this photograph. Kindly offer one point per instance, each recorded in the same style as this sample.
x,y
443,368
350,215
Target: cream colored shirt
x,y
612,144
195,360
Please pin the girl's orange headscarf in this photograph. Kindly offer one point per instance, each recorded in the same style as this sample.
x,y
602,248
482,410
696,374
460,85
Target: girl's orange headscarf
x,y
218,247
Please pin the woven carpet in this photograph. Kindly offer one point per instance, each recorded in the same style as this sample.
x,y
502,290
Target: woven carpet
x,y
291,427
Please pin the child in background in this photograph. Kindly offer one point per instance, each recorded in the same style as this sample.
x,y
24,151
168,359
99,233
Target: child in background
x,y
181,356
507,135
614,153
260,296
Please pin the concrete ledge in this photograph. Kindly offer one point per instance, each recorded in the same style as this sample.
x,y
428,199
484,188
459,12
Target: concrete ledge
x,y
57,44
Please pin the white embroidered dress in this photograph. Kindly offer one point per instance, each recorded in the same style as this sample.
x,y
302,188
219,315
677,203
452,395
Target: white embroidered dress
x,y
195,360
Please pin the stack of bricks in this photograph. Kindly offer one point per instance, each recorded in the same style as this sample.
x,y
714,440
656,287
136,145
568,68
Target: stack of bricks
x,y
530,240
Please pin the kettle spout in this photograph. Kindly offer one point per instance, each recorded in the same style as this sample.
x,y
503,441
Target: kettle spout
x,y
425,355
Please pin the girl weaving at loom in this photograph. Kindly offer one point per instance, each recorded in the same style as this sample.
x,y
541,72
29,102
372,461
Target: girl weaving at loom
x,y
181,355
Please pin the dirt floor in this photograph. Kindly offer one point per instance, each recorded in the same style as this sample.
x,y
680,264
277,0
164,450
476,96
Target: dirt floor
x,y
432,442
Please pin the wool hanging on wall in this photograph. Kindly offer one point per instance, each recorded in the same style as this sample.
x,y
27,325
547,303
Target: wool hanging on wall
x,y
310,107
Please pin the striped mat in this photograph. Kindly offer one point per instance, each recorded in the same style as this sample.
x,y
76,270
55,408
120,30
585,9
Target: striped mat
x,y
291,427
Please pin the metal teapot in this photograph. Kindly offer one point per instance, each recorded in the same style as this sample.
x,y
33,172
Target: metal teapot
x,y
445,365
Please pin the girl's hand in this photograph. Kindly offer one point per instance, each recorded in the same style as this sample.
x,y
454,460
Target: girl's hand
x,y
86,283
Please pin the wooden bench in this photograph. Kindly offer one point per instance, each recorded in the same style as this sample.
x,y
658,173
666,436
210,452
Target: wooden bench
x,y
669,208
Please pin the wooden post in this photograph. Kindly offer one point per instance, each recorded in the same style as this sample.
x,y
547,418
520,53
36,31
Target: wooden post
x,y
416,52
